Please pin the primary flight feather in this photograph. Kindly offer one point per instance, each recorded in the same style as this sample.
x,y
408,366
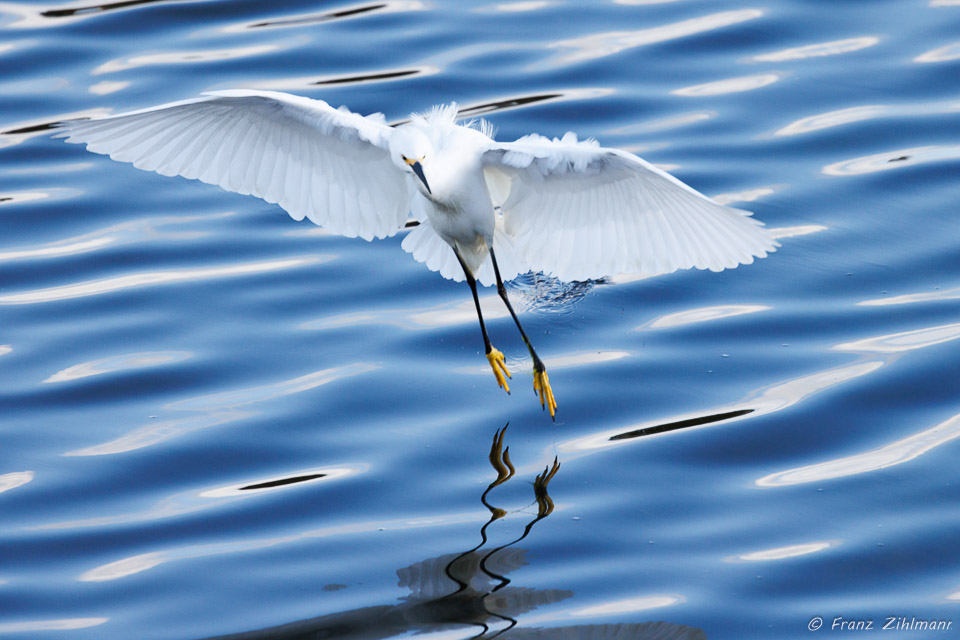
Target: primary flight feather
x,y
488,210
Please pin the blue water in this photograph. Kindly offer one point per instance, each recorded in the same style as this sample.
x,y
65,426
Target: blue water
x,y
217,421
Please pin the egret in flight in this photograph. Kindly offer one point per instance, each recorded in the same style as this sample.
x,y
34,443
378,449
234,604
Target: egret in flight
x,y
487,210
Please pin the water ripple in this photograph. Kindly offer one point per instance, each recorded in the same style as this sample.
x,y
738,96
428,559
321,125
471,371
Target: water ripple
x,y
22,197
525,100
663,124
629,605
861,113
896,159
702,314
904,341
730,85
517,7
820,49
214,504
32,17
343,13
769,400
782,553
142,562
889,455
942,54
16,479
118,363
186,57
368,77
17,132
217,409
61,624
601,45
286,481
133,232
106,87
642,2
913,298
832,119
747,195
151,278
199,500
447,314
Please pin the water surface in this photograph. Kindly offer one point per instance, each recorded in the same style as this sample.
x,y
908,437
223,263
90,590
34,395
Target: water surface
x,y
216,421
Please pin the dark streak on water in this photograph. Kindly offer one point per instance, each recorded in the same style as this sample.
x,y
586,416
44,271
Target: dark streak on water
x,y
681,424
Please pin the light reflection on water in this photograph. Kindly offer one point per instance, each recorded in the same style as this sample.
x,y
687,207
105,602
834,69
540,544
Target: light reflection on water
x,y
470,589
13,480
773,399
152,278
890,160
198,500
941,54
63,624
730,85
116,364
22,197
186,57
912,298
602,45
135,231
705,314
895,453
215,410
443,315
819,49
790,551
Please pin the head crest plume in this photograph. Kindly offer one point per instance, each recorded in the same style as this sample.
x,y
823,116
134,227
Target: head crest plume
x,y
446,114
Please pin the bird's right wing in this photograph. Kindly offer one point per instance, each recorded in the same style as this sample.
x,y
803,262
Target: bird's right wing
x,y
578,211
329,165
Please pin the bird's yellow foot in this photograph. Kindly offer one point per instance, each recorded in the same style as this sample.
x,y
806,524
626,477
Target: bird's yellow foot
x,y
495,356
541,385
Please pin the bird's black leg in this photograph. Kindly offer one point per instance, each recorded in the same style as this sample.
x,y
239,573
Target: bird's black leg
x,y
541,384
494,355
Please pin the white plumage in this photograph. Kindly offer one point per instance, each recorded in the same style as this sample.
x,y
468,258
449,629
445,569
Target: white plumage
x,y
568,208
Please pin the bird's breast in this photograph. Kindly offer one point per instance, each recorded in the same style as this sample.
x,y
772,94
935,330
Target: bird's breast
x,y
461,209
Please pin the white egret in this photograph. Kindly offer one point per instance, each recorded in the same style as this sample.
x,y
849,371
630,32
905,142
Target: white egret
x,y
488,210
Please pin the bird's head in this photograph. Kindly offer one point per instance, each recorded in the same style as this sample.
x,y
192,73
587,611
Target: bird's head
x,y
411,151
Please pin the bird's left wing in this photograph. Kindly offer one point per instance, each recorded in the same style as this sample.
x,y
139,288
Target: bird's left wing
x,y
578,211
329,165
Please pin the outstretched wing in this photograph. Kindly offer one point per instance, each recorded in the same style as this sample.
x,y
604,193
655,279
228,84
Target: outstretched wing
x,y
329,165
577,211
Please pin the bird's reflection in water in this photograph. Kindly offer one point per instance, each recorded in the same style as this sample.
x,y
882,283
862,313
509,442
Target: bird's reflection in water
x,y
468,595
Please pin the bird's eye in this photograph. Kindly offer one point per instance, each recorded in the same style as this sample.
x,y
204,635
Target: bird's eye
x,y
403,157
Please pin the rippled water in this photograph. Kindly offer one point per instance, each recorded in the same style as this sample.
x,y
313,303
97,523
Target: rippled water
x,y
217,421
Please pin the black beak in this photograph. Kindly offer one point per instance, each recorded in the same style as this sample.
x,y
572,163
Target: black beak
x,y
417,169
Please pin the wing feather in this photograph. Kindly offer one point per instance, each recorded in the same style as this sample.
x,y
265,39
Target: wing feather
x,y
315,161
578,211
182,147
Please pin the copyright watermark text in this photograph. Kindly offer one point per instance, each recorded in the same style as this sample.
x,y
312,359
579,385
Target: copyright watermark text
x,y
886,623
